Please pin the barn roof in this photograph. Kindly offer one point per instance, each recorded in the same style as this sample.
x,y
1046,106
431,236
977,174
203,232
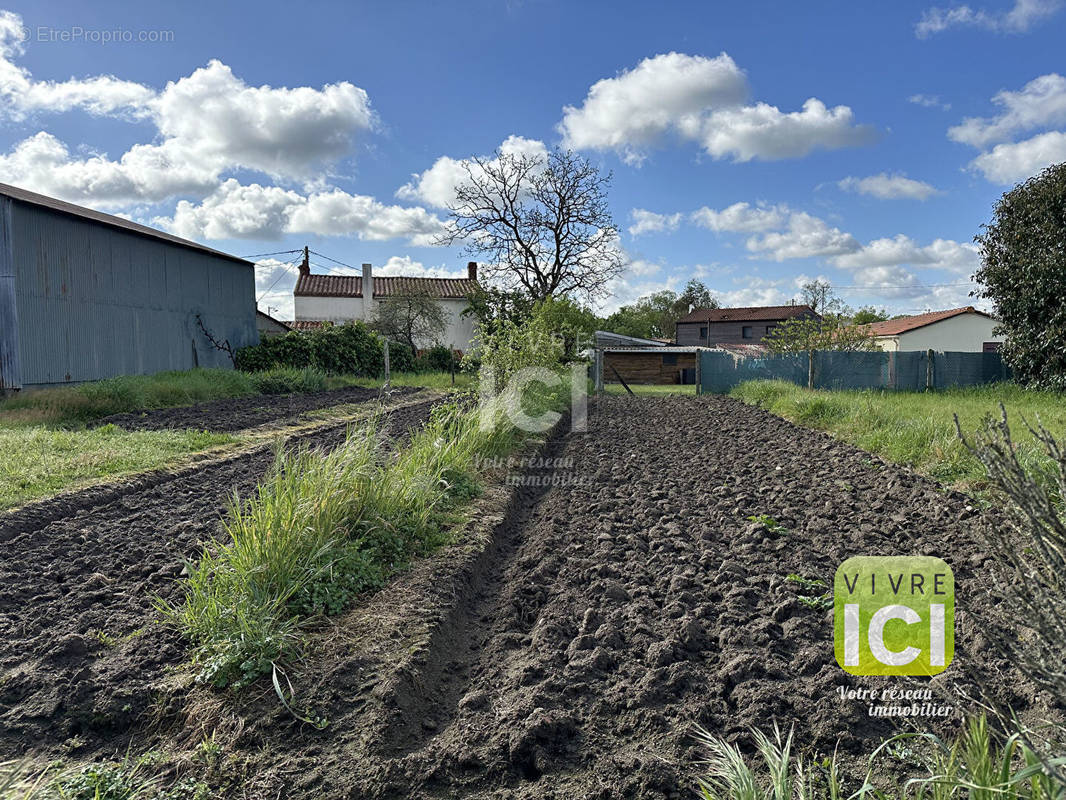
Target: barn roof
x,y
894,327
63,207
746,314
352,286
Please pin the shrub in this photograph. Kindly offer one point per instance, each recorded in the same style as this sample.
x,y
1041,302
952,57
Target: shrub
x,y
351,349
401,357
437,359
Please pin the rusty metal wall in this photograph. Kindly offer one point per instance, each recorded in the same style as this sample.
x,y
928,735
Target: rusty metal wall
x,y
95,302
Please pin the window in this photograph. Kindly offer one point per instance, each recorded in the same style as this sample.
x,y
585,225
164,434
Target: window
x,y
746,332
669,359
703,332
990,347
769,329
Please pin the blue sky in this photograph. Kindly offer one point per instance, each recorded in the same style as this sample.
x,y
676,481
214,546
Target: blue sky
x,y
753,145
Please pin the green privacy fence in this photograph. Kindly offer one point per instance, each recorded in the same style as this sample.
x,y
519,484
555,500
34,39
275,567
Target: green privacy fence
x,y
830,369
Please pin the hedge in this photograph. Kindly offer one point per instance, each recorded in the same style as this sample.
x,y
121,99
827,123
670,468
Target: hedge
x,y
348,349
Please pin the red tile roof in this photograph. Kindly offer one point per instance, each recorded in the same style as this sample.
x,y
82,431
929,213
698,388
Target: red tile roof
x,y
352,286
894,327
749,314
306,324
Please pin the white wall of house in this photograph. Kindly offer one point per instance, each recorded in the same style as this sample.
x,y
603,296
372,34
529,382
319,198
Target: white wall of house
x,y
963,333
458,335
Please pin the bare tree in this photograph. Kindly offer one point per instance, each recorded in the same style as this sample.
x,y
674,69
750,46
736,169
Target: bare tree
x,y
818,294
410,318
540,223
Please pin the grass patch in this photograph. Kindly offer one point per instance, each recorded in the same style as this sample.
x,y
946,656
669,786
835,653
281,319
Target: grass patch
x,y
323,529
427,380
977,764
37,462
918,428
653,389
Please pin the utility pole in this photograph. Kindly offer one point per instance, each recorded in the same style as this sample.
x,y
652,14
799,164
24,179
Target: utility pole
x,y
305,265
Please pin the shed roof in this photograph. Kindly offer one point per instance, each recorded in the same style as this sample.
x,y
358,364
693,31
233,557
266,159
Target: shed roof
x,y
894,327
352,286
63,207
747,314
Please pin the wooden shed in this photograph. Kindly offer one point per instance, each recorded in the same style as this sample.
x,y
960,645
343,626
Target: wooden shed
x,y
650,365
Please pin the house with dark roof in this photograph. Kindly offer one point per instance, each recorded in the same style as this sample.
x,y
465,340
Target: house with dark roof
x,y
346,298
86,295
710,327
959,330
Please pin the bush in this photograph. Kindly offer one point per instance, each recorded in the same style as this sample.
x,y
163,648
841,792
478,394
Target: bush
x,y
401,357
286,380
437,359
350,349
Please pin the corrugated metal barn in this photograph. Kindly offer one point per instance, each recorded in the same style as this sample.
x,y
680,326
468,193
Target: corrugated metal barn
x,y
86,295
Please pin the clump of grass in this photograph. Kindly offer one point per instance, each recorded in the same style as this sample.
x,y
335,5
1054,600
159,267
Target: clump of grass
x,y
917,428
322,529
975,764
131,778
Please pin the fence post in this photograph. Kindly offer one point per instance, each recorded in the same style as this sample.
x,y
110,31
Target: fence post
x,y
929,377
699,371
810,369
386,386
597,369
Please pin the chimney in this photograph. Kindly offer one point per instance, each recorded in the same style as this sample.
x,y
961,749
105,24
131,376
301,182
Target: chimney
x,y
368,282
305,265
471,270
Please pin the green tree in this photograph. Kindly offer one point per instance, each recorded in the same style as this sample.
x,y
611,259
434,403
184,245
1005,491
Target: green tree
x,y
819,295
655,316
572,322
412,318
827,333
868,314
1023,272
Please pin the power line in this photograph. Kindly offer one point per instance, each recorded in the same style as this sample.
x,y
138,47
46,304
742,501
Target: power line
x,y
329,258
287,267
278,253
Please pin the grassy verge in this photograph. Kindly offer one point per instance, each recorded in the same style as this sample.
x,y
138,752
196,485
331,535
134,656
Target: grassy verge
x,y
976,765
38,462
74,406
918,428
617,388
324,528
428,380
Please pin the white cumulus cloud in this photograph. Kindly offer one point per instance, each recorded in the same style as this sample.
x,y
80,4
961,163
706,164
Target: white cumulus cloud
x,y
701,99
436,185
889,187
1015,161
645,221
253,211
741,218
806,236
1040,103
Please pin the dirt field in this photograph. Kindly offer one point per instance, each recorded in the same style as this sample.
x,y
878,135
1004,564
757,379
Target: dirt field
x,y
562,648
82,660
239,413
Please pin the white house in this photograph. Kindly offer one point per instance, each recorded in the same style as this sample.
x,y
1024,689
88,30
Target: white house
x,y
965,330
344,298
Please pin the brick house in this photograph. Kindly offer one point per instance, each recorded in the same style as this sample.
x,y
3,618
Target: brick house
x,y
707,327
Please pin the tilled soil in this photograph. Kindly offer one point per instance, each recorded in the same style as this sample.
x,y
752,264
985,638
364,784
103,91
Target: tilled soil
x,y
571,654
238,413
82,659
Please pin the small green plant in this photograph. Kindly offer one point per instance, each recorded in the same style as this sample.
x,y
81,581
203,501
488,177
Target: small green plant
x,y
822,601
768,522
289,380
